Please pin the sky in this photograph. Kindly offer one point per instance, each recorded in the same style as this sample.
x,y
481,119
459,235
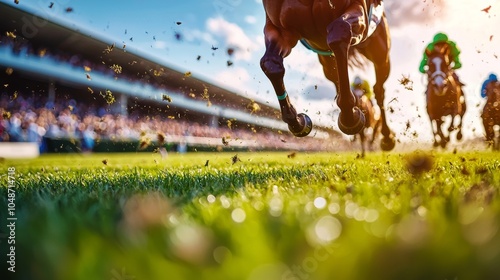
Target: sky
x,y
179,31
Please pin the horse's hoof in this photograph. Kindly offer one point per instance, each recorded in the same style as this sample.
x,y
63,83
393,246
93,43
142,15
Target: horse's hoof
x,y
459,135
388,143
304,130
358,120
435,144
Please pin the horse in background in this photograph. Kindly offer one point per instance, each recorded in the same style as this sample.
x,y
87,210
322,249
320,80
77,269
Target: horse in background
x,y
372,119
444,95
335,29
491,115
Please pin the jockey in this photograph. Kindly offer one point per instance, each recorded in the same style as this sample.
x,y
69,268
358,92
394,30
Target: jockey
x,y
491,78
454,56
363,85
454,51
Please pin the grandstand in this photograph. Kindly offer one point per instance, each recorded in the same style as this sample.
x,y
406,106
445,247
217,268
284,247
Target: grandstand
x,y
47,58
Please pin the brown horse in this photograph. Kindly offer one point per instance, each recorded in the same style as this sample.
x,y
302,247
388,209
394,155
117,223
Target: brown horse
x,y
372,120
491,114
444,94
333,29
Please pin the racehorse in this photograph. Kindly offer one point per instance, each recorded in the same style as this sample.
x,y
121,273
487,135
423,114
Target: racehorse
x,y
491,114
444,94
335,29
372,120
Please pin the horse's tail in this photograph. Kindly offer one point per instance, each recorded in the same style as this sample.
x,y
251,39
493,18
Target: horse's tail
x,y
357,60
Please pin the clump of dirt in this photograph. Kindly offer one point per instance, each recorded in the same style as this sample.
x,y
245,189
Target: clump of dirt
x,y
418,163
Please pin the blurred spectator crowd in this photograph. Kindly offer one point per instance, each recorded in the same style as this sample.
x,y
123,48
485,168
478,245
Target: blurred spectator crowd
x,y
24,118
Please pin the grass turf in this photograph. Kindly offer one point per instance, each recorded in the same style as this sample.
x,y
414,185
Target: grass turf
x,y
254,216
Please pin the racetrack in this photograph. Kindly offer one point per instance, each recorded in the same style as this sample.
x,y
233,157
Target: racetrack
x,y
254,216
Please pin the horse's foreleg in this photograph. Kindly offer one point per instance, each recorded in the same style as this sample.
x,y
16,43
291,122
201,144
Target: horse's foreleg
x,y
279,46
341,34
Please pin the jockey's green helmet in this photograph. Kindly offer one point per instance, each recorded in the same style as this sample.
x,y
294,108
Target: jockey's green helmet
x,y
440,37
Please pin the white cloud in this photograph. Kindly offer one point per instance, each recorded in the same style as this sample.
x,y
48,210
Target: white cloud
x,y
160,45
251,19
401,13
195,34
233,36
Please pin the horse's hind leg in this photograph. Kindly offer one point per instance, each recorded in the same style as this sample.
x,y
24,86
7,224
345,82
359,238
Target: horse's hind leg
x,y
497,143
496,135
459,120
434,133
279,44
438,136
462,108
376,49
341,34
443,140
459,127
376,128
489,131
